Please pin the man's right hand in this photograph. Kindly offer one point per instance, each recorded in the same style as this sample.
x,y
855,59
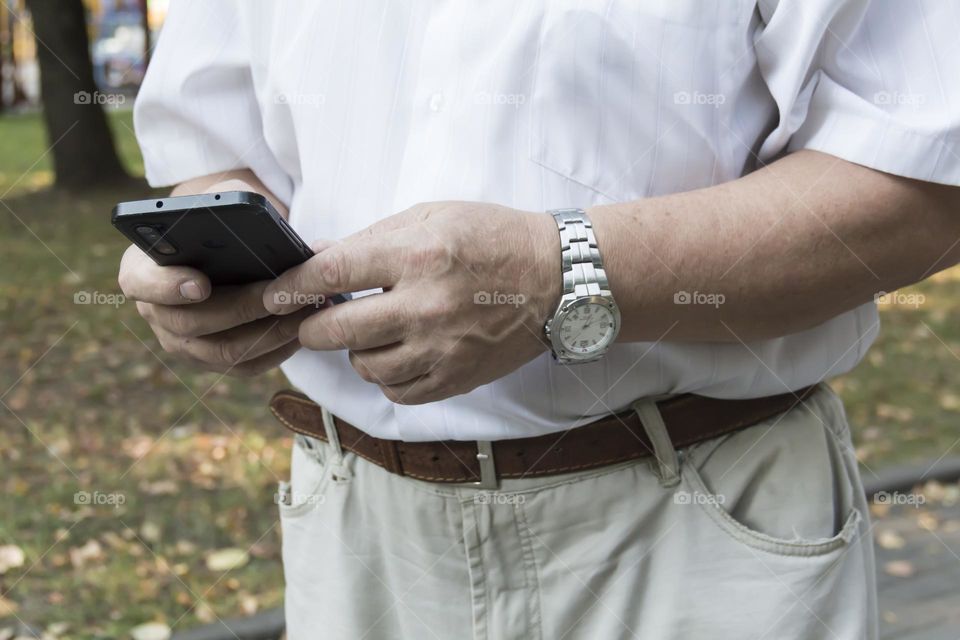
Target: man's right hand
x,y
227,330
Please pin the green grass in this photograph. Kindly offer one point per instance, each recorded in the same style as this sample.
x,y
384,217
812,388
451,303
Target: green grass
x,y
96,409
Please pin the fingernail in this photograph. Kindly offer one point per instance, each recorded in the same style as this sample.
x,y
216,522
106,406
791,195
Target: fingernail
x,y
191,290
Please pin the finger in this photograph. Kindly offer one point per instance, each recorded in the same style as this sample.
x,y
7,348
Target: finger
x,y
228,307
235,346
390,223
343,268
391,365
320,245
233,184
426,388
266,362
253,367
142,279
363,323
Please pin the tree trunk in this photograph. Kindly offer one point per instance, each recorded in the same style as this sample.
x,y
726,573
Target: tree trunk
x,y
4,30
84,155
147,44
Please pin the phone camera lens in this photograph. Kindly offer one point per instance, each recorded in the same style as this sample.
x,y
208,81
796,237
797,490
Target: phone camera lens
x,y
148,233
165,248
155,240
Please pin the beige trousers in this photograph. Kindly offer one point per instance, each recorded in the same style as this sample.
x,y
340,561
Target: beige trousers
x,y
765,535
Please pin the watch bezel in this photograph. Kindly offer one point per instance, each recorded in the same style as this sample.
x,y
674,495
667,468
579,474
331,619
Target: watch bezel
x,y
566,307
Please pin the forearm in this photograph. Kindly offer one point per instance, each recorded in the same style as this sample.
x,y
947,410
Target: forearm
x,y
784,248
250,183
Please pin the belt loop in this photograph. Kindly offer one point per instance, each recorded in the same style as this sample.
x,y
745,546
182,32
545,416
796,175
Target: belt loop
x,y
667,463
330,427
338,470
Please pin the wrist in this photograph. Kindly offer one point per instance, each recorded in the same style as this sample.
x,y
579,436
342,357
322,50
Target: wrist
x,y
546,271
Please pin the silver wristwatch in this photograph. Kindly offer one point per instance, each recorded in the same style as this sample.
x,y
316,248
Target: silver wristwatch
x,y
587,320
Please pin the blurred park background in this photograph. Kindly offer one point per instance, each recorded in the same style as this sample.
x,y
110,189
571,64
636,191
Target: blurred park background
x,y
137,495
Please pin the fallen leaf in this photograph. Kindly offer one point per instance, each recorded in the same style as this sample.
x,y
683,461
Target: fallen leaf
x,y
878,510
140,371
950,401
248,604
80,556
890,540
934,491
17,400
928,521
8,607
227,559
151,631
951,495
204,613
11,557
899,568
185,547
150,531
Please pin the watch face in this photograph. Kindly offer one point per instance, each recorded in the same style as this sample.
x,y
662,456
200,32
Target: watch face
x,y
587,329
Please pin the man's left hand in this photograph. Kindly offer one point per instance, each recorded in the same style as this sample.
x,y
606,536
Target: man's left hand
x,y
467,289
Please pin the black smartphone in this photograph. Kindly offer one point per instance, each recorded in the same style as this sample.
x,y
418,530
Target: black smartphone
x,y
234,237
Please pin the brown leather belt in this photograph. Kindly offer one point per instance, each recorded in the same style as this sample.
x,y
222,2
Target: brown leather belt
x,y
688,418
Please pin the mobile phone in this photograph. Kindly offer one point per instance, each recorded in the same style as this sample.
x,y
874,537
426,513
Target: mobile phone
x,y
234,237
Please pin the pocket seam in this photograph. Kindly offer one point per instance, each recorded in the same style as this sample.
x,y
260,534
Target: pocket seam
x,y
315,493
743,535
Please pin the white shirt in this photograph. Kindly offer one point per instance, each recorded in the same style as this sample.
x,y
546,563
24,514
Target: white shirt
x,y
353,111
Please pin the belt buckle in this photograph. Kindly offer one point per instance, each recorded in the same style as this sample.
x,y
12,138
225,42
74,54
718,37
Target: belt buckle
x,y
488,469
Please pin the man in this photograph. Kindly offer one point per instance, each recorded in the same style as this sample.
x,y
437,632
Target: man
x,y
613,248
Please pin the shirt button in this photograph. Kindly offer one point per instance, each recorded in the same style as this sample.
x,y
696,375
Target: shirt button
x,y
436,102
